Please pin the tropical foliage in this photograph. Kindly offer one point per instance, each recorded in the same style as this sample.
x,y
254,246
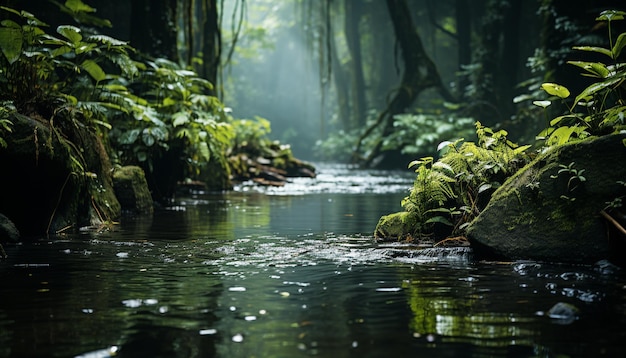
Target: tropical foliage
x,y
599,109
149,110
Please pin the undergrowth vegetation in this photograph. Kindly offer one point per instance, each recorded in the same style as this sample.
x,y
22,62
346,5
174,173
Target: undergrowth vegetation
x,y
145,109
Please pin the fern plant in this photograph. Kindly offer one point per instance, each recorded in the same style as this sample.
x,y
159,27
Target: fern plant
x,y
451,190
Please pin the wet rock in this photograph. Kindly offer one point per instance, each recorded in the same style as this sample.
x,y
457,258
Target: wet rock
x,y
8,231
396,226
55,176
563,313
547,212
132,190
272,171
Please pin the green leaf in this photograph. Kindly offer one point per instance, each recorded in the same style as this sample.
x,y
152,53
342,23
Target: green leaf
x,y
94,70
522,98
521,149
204,151
438,219
179,119
596,68
11,24
542,104
142,156
563,134
558,119
484,187
11,43
611,15
601,50
596,87
169,101
78,6
555,90
10,10
85,48
102,123
107,40
71,33
147,137
60,51
619,45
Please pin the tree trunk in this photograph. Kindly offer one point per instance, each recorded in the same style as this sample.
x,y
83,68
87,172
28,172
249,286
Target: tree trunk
x,y
153,28
353,15
341,87
464,32
419,74
211,44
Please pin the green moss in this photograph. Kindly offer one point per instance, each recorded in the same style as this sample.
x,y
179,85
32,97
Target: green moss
x,y
400,225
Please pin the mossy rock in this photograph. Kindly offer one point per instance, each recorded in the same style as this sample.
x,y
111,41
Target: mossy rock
x,y
54,177
396,226
543,214
132,190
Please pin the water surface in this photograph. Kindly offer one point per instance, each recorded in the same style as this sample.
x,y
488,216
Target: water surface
x,y
294,272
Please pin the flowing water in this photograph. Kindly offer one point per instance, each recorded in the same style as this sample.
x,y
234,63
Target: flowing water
x,y
294,272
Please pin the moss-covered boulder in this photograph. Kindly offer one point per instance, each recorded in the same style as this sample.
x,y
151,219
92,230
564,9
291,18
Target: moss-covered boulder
x,y
55,176
396,226
554,208
131,189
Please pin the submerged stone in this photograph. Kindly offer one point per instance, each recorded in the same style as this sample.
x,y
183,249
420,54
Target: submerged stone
x,y
551,209
563,313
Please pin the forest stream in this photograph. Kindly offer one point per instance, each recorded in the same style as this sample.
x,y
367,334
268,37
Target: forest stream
x,y
294,271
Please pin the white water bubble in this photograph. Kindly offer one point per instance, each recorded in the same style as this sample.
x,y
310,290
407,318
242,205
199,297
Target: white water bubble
x,y
132,303
122,255
389,289
237,289
237,338
208,331
250,318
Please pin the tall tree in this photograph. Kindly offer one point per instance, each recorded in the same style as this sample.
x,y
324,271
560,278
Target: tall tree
x,y
419,74
153,28
353,14
212,42
463,36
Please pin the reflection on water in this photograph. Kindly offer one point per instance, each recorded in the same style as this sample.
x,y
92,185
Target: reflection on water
x,y
268,273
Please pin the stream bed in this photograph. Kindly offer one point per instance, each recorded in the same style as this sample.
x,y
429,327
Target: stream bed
x,y
295,272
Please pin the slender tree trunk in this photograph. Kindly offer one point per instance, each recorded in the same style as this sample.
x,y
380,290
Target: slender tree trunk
x,y
341,87
353,15
510,59
464,32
